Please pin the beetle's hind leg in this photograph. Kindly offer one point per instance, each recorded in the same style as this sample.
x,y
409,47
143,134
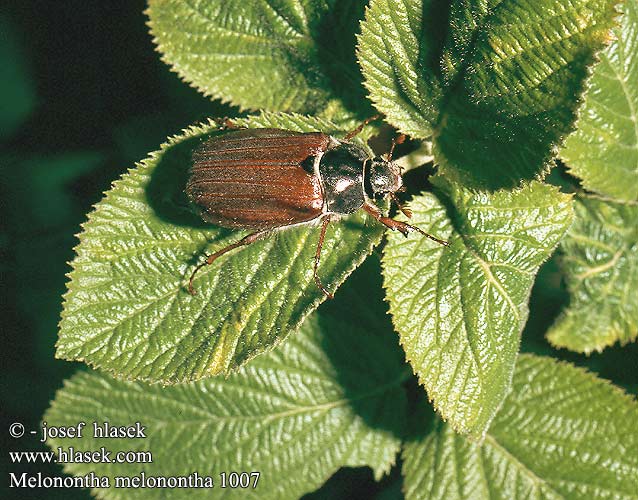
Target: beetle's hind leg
x,y
322,236
247,240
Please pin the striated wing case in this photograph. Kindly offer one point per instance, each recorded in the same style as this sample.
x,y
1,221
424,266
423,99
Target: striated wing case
x,y
254,178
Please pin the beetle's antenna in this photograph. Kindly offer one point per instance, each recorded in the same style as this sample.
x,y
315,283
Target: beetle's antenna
x,y
400,139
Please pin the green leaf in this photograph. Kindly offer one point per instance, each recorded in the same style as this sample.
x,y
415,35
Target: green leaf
x,y
496,83
279,55
295,415
603,151
459,310
127,309
393,54
601,266
562,434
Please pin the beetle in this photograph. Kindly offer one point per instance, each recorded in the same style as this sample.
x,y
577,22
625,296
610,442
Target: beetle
x,y
265,179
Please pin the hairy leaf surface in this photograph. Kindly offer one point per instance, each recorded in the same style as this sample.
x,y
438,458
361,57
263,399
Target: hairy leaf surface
x,y
496,83
562,434
128,310
459,310
601,266
296,414
603,151
279,55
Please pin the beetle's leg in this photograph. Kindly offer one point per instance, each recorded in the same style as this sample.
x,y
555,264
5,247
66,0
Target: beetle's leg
x,y
400,139
225,123
324,226
358,130
397,225
406,211
247,240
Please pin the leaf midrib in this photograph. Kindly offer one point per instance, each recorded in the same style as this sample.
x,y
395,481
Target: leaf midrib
x,y
450,91
404,375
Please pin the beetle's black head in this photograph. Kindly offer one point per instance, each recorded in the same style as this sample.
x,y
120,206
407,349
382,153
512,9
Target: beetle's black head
x,y
382,177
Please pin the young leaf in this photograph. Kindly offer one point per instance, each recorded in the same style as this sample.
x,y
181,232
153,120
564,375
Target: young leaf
x,y
296,414
128,310
601,266
284,55
603,151
459,310
496,83
562,433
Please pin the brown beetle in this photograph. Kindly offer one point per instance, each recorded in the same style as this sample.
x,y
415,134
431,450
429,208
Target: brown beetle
x,y
267,178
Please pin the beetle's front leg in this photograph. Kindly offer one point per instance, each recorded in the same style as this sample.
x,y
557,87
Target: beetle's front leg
x,y
358,130
397,225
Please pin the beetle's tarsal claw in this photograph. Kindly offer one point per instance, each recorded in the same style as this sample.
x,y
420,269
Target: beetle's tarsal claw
x,y
191,288
323,288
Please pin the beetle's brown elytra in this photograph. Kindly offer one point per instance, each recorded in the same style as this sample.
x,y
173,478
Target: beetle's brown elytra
x,y
268,178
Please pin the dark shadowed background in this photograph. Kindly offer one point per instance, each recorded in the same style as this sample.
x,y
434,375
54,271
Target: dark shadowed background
x,y
83,96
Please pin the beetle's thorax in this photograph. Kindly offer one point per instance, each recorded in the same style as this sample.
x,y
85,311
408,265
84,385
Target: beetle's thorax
x,y
341,173
349,177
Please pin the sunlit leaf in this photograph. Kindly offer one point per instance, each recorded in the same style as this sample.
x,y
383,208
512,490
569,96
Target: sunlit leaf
x,y
128,310
459,310
279,55
295,415
562,434
603,151
496,83
600,262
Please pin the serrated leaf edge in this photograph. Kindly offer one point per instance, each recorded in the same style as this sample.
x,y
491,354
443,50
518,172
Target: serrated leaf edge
x,y
175,68
186,133
627,398
554,151
460,429
598,349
